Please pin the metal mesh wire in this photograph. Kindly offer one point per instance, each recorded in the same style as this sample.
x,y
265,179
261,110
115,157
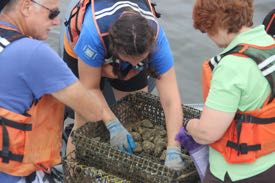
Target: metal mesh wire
x,y
93,148
76,172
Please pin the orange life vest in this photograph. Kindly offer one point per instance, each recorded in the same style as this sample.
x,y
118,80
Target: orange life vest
x,y
251,133
104,13
76,19
30,141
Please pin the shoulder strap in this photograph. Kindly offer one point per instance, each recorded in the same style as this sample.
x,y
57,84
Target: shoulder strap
x,y
157,14
264,56
75,20
265,59
107,11
269,22
8,36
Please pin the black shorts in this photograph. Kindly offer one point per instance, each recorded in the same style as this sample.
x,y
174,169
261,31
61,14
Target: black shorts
x,y
138,82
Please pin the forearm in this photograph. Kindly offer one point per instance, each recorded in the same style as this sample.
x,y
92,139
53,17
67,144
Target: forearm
x,y
90,77
107,113
198,132
211,126
81,101
87,106
171,103
173,118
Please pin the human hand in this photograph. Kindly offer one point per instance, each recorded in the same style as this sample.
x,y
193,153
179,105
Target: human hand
x,y
173,158
186,140
198,152
132,73
107,71
120,137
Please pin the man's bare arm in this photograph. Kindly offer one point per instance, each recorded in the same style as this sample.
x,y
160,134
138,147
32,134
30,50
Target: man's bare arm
x,y
82,100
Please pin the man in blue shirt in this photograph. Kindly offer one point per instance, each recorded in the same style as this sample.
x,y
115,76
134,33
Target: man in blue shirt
x,y
34,82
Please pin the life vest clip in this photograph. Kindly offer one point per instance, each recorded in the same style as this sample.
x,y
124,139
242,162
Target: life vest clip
x,y
243,148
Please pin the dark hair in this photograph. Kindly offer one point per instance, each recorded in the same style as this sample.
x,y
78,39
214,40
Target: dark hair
x,y
231,15
131,35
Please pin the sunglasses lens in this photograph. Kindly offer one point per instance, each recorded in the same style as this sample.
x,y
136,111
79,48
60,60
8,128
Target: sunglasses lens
x,y
53,14
138,68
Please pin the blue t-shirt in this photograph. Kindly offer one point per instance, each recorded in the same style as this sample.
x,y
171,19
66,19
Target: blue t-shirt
x,y
90,49
8,178
30,69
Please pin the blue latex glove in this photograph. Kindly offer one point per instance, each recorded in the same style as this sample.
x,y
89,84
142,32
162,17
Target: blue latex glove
x,y
173,158
120,137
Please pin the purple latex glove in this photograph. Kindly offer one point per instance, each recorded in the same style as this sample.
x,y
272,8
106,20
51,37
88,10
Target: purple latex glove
x,y
186,140
198,152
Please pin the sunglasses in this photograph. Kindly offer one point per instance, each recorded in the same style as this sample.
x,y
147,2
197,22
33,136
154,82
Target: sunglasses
x,y
53,13
140,66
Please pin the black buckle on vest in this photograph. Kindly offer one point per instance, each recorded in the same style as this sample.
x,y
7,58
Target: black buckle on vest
x,y
243,118
243,148
248,118
6,154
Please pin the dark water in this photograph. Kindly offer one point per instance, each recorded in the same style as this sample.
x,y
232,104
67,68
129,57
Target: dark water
x,y
189,46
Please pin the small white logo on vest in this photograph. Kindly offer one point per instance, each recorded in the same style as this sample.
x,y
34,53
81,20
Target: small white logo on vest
x,y
89,52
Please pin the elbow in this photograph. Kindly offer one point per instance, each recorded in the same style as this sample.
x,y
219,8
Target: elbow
x,y
204,141
206,137
211,138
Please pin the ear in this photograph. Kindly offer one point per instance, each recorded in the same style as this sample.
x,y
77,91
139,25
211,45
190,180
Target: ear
x,y
25,7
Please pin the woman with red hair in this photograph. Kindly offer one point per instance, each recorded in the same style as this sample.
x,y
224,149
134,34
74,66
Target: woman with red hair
x,y
238,118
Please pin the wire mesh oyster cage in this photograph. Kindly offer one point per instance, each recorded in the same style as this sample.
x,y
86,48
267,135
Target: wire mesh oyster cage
x,y
93,148
76,172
